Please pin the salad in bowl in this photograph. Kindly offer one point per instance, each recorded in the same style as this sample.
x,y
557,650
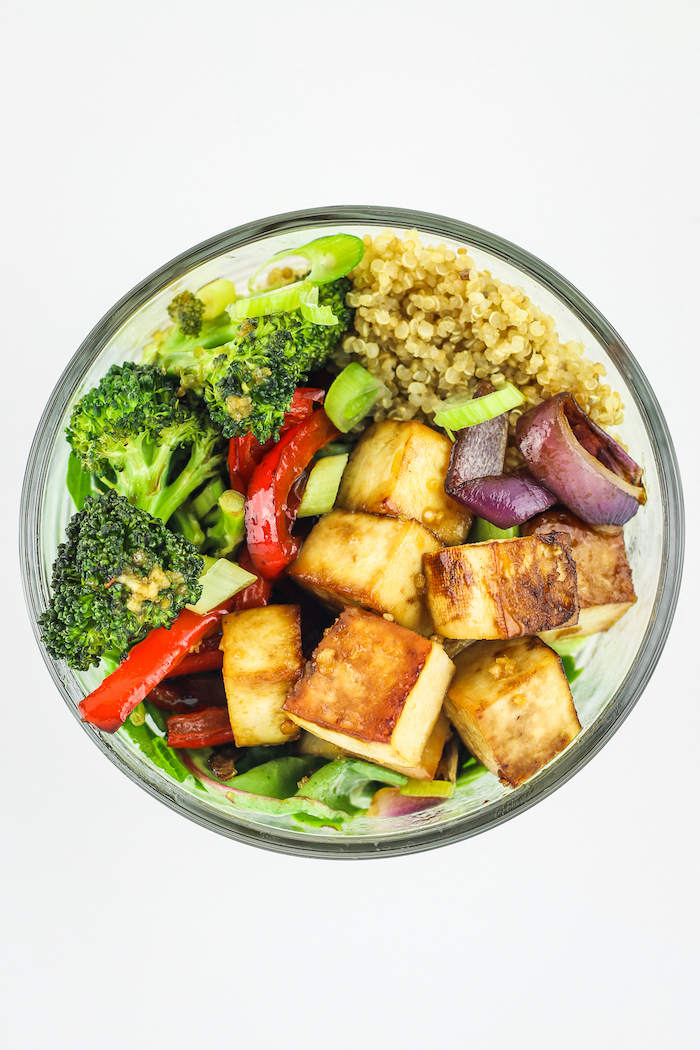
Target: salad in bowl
x,y
348,532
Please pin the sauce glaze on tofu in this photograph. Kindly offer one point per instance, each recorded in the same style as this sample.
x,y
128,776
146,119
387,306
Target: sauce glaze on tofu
x,y
502,588
373,688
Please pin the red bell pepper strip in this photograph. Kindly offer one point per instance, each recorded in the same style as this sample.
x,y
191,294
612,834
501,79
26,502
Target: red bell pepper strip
x,y
196,663
206,657
270,543
205,728
255,595
108,706
246,452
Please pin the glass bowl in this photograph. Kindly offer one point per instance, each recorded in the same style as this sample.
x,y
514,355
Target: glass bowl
x,y
618,663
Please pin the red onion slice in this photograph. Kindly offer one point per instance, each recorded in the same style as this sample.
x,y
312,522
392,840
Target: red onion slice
x,y
506,499
478,450
581,464
389,802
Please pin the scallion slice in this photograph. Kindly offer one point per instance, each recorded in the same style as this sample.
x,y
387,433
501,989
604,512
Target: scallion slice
x,y
322,487
428,788
216,296
482,531
224,579
330,257
302,295
464,411
351,396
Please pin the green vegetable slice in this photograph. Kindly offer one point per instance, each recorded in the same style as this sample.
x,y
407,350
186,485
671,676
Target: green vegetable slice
x,y
302,295
216,297
331,257
464,411
483,530
351,396
428,788
224,579
322,487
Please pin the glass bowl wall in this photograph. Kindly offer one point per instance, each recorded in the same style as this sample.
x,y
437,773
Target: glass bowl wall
x,y
618,664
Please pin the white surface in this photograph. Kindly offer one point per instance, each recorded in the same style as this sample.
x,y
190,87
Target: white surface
x,y
133,130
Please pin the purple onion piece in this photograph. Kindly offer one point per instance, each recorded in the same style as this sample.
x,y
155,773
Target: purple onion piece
x,y
505,500
389,802
582,465
478,450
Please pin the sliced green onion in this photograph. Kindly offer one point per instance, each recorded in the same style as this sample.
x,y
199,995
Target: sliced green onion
x,y
322,487
216,296
330,257
428,788
351,396
224,579
483,530
464,411
207,499
302,295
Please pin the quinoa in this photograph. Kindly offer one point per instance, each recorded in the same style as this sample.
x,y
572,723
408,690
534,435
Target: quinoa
x,y
430,325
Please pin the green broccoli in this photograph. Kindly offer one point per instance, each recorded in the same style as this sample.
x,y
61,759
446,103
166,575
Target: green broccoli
x,y
186,311
144,441
247,371
120,573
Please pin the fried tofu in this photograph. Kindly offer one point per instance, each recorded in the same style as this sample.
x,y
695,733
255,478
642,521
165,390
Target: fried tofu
x,y
502,588
262,661
309,744
371,561
399,468
604,580
511,704
375,690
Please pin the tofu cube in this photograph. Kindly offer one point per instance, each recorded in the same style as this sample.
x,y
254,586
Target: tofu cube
x,y
262,661
399,468
370,561
309,744
502,588
511,704
604,580
372,688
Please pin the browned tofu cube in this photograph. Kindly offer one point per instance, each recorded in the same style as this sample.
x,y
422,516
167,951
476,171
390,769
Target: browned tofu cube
x,y
262,661
604,580
369,561
373,688
399,468
511,704
502,588
309,744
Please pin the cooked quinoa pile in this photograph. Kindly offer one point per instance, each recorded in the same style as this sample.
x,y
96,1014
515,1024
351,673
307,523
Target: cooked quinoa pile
x,y
430,325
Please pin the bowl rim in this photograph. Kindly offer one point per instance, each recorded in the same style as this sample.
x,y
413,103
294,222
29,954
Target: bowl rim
x,y
673,532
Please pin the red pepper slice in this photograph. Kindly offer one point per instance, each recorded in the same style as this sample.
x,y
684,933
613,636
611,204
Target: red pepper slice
x,y
255,595
270,543
205,728
108,706
196,663
246,452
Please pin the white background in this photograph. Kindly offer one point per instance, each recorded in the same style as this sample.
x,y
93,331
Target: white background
x,y
134,130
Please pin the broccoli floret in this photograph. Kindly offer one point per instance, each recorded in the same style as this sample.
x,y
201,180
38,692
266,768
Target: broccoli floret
x,y
247,371
142,440
120,573
186,311
225,525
